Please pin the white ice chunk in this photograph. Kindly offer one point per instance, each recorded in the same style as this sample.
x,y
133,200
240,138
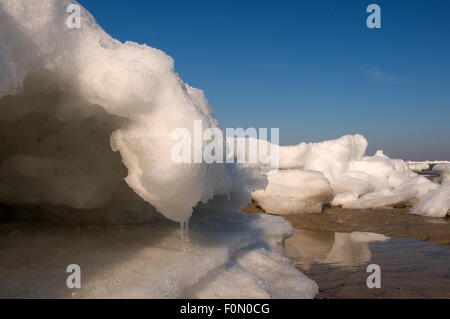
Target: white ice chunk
x,y
436,203
345,198
411,181
293,192
418,167
383,198
444,169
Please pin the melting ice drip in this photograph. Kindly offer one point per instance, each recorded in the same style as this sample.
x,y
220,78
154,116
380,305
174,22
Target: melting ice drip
x,y
184,234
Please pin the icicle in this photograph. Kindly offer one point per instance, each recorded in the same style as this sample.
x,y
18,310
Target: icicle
x,y
184,234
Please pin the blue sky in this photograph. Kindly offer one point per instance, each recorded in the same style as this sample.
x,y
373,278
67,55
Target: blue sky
x,y
311,68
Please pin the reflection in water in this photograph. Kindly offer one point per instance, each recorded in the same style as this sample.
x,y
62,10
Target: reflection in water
x,y
345,250
338,263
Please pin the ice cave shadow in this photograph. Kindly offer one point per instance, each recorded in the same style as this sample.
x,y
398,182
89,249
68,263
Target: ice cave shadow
x,y
55,155
35,254
62,189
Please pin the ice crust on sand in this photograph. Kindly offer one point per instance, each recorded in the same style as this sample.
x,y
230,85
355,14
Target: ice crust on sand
x,y
230,255
86,127
436,203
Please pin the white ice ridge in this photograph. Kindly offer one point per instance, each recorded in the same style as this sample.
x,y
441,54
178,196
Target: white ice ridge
x,y
87,74
357,181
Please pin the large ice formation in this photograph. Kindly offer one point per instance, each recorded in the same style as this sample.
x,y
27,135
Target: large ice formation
x,y
357,181
67,92
86,127
230,255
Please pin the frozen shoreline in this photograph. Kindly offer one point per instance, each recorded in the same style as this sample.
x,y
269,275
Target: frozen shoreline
x,y
409,268
396,222
229,255
334,248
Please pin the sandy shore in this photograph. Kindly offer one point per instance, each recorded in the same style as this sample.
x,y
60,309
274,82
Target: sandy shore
x,y
335,247
395,222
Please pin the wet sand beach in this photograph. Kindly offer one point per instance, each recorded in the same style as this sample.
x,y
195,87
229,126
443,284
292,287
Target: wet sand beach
x,y
334,249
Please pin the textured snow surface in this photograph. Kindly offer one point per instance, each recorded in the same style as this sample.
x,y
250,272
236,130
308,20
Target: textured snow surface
x,y
230,255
